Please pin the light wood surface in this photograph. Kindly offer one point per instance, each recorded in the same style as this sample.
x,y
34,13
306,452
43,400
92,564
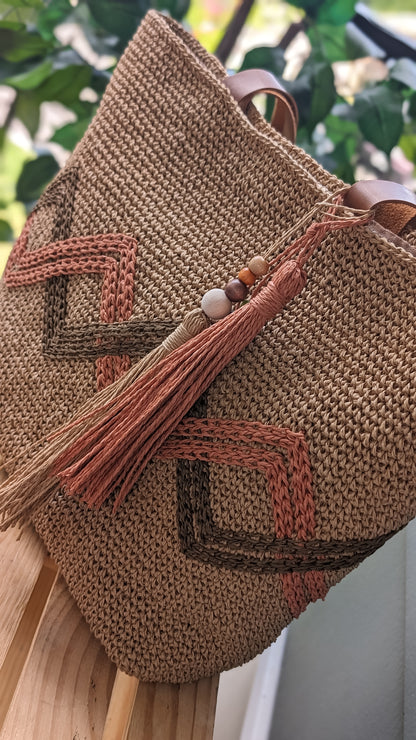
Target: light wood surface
x,y
21,645
65,688
178,712
21,562
56,681
121,707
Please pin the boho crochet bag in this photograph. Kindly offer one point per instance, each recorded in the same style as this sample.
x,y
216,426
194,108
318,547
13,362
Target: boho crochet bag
x,y
228,472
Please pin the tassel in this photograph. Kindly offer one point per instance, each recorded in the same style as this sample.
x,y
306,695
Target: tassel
x,y
114,451
34,484
113,436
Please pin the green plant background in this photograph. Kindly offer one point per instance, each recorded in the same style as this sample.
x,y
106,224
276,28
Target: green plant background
x,y
339,130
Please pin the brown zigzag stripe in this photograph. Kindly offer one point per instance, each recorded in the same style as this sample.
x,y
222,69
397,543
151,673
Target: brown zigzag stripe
x,y
96,339
114,337
202,538
61,195
135,338
138,337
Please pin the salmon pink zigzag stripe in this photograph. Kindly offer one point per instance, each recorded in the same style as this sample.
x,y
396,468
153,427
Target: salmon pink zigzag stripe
x,y
301,588
112,255
258,446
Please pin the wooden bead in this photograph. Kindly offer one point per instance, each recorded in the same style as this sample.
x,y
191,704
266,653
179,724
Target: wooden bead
x,y
215,304
236,291
258,266
246,276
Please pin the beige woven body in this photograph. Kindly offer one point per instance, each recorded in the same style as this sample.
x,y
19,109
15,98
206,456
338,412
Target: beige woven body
x,y
205,562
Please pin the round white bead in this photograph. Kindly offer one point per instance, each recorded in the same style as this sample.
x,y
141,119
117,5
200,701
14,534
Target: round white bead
x,y
215,304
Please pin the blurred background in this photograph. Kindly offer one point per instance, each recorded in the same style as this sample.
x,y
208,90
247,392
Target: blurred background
x,y
351,68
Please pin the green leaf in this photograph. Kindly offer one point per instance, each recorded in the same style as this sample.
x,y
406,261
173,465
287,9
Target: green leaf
x,y
17,44
330,40
176,8
342,166
404,71
55,12
69,135
271,58
323,94
333,42
12,160
83,109
28,3
412,106
379,116
32,78
6,231
99,80
340,125
314,91
311,7
35,176
336,12
12,25
20,12
27,110
302,92
119,17
65,85
9,69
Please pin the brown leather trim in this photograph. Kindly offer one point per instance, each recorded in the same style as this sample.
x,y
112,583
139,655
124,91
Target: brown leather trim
x,y
397,240
244,85
394,205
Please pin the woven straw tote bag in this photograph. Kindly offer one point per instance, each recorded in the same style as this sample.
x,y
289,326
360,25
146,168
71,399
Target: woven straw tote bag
x,y
295,460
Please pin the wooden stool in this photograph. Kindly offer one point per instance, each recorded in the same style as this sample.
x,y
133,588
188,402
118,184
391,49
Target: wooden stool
x,y
55,678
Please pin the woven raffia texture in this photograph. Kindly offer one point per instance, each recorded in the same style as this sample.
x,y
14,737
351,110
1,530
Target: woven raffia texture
x,y
299,460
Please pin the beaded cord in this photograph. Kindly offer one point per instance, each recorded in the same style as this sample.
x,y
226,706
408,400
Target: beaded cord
x,y
218,303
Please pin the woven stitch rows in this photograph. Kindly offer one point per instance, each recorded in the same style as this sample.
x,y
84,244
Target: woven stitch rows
x,y
171,163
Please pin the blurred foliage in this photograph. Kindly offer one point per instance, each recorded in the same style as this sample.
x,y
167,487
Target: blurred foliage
x,y
334,128
36,67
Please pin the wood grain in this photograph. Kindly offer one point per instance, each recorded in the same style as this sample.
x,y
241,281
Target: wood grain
x,y
121,707
55,679
174,711
21,562
21,644
21,559
65,688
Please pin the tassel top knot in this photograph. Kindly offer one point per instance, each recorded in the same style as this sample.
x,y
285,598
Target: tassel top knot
x,y
194,322
286,283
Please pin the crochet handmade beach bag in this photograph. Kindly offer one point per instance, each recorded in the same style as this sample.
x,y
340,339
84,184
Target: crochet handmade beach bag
x,y
293,462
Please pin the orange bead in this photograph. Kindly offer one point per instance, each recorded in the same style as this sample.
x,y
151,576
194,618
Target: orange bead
x,y
246,276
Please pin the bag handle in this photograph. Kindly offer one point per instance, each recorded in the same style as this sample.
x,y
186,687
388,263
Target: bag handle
x,y
394,205
244,85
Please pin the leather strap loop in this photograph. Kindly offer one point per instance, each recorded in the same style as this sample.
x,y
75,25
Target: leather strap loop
x,y
394,205
244,85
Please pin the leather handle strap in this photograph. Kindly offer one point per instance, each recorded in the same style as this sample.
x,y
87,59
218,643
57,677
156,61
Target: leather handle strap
x,y
244,85
394,205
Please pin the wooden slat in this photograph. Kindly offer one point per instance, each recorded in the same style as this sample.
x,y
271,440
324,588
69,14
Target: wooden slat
x,y
21,563
27,576
55,679
22,555
121,707
65,687
178,712
21,644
